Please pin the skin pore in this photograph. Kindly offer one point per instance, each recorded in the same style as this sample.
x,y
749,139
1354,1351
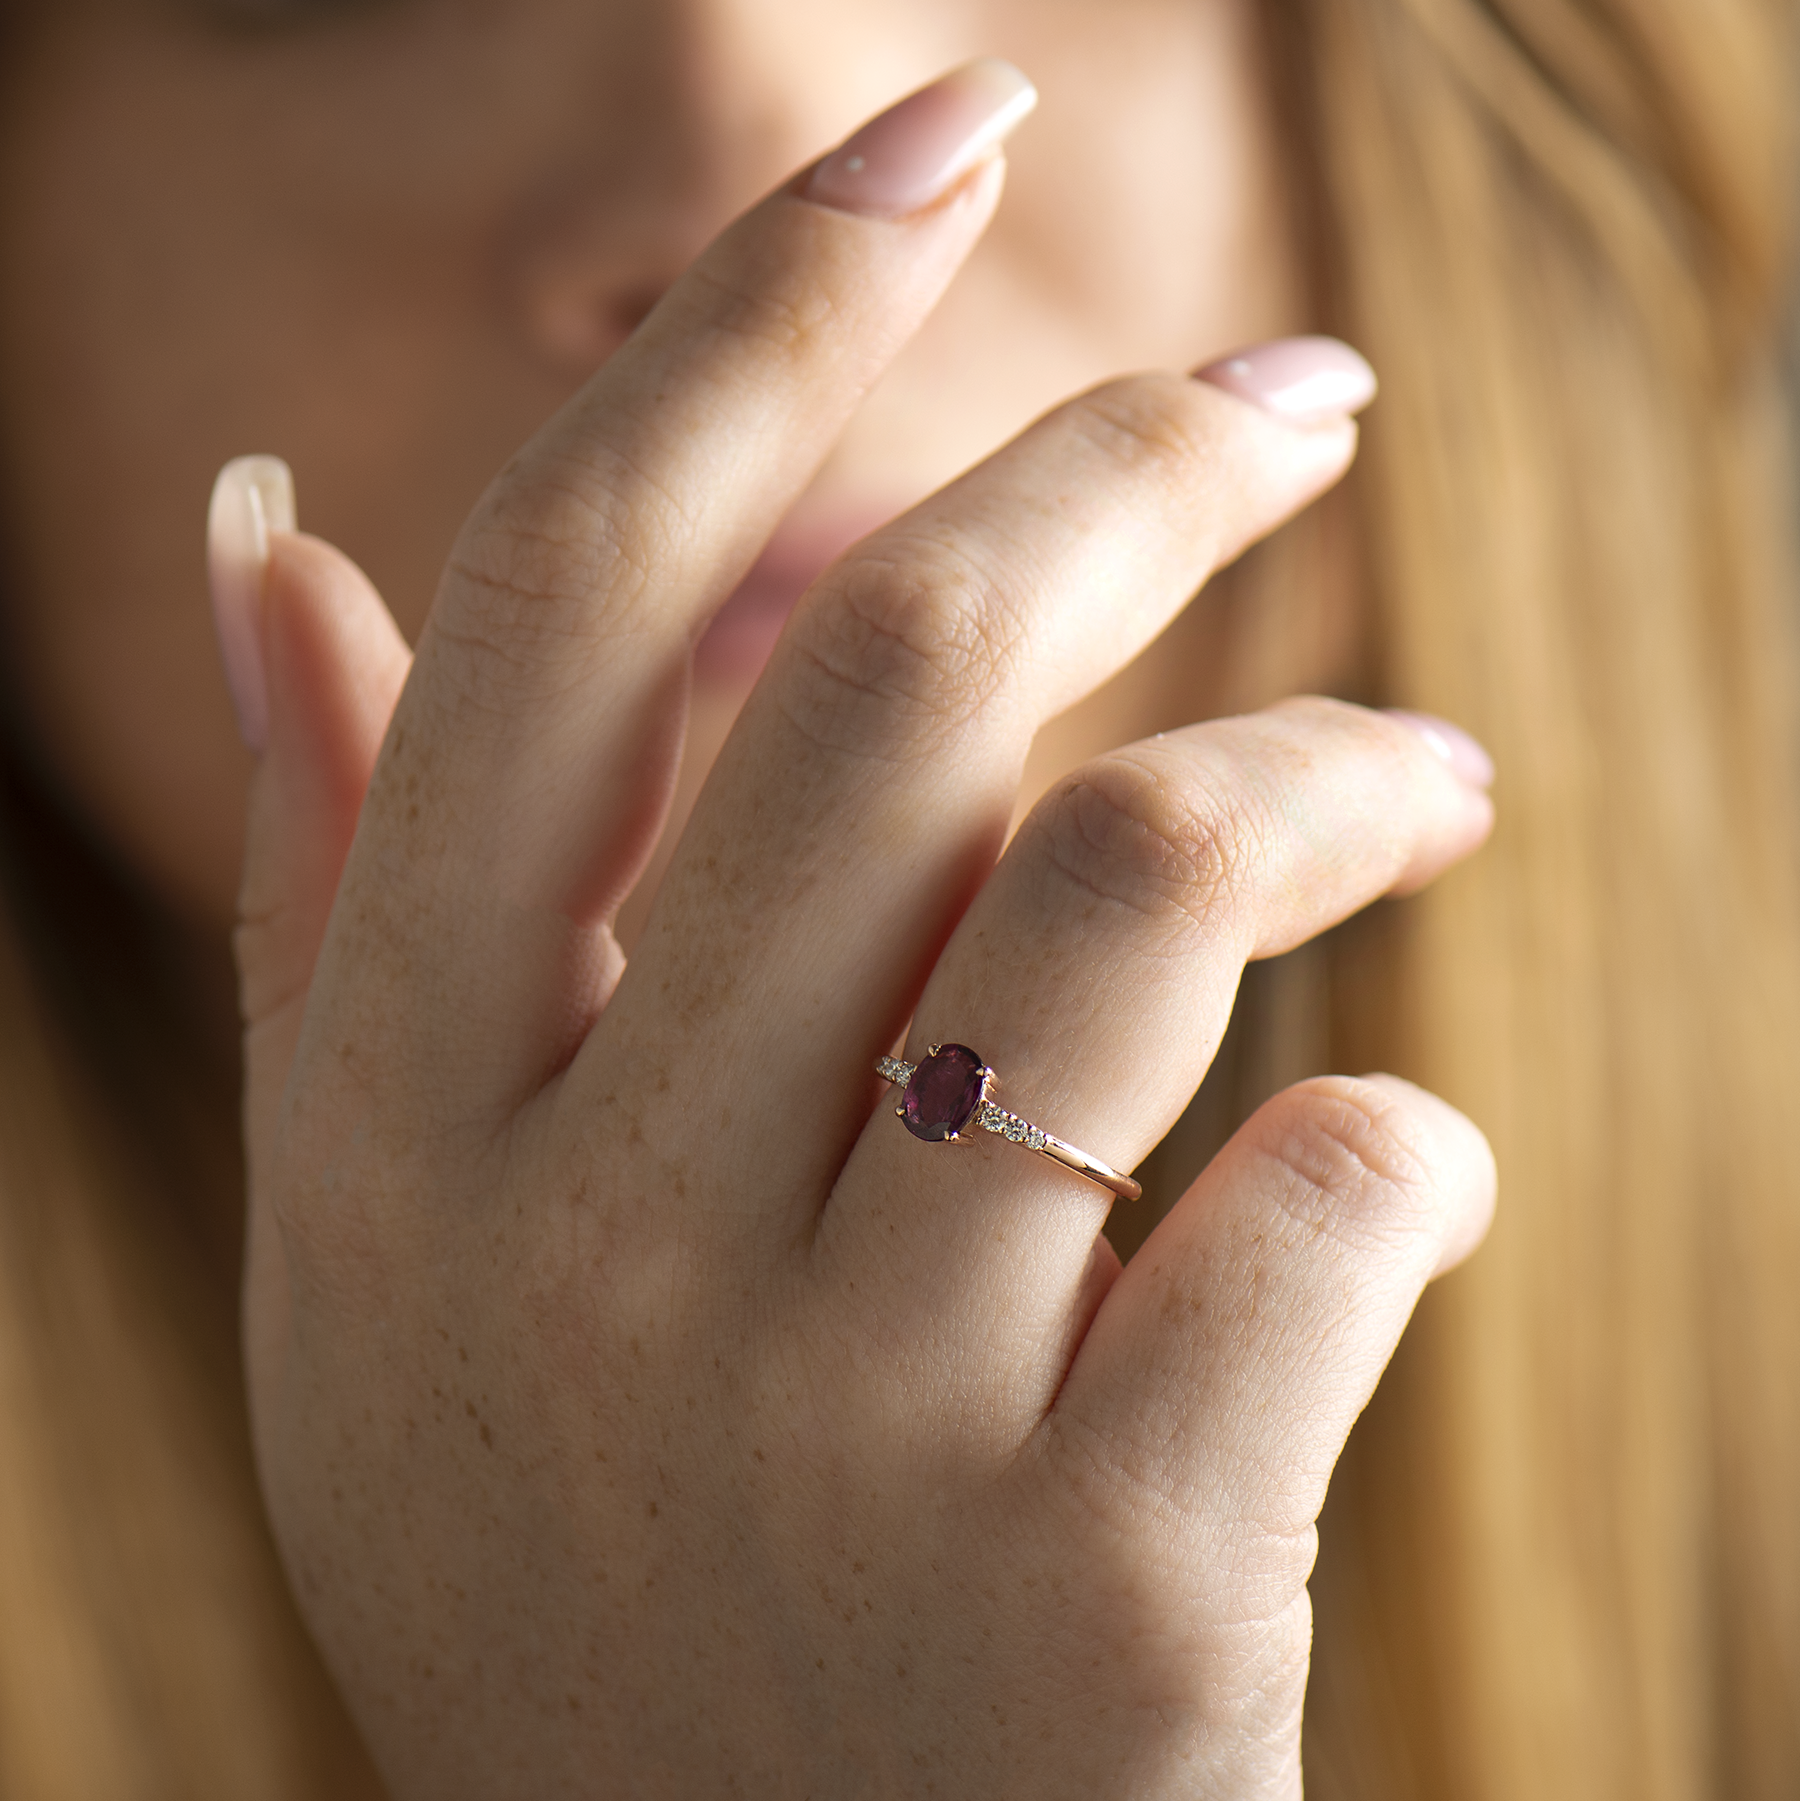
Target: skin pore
x,y
386,240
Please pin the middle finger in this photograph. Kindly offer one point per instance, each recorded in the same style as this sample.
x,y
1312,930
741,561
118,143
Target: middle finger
x,y
866,790
1096,973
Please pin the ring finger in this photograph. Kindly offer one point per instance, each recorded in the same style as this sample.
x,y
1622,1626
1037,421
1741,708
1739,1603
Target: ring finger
x,y
1095,974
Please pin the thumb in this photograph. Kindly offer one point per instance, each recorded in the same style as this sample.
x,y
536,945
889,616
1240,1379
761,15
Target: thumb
x,y
315,665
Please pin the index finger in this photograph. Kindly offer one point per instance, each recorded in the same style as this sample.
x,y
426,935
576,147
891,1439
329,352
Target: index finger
x,y
526,773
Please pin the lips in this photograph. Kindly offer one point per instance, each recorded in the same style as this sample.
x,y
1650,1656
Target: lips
x,y
743,632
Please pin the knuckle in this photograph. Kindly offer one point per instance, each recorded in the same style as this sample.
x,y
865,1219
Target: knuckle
x,y
1130,831
761,309
551,524
560,539
902,642
1153,427
1359,1164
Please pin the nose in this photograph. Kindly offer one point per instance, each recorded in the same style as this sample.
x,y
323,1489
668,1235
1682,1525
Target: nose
x,y
687,111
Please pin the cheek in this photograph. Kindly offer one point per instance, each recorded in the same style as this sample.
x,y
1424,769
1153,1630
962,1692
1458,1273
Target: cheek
x,y
1157,204
207,258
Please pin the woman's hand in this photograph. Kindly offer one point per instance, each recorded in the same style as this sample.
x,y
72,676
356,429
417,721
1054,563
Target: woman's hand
x,y
641,1409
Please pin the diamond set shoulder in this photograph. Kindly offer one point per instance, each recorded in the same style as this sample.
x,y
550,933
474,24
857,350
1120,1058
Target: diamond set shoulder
x,y
947,1093
1010,1126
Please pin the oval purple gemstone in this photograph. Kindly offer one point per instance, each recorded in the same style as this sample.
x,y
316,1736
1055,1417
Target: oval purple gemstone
x,y
943,1094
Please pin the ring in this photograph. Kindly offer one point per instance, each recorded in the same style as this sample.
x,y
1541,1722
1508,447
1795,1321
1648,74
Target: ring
x,y
947,1094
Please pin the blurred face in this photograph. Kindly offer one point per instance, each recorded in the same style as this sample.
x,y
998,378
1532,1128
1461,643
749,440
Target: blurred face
x,y
385,238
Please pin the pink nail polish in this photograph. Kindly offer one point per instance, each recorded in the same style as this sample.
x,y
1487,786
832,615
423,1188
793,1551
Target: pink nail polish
x,y
252,497
1306,380
917,150
1466,758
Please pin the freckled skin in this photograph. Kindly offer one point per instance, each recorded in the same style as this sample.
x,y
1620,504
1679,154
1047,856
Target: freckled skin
x,y
636,1413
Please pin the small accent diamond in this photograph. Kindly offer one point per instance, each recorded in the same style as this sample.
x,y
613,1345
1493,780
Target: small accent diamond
x,y
993,1118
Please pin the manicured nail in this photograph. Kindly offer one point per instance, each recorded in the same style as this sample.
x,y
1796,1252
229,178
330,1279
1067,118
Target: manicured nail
x,y
252,497
917,150
1306,380
1466,758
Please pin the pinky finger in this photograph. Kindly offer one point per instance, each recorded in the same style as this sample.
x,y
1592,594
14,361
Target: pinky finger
x,y
315,664
335,665
1228,1363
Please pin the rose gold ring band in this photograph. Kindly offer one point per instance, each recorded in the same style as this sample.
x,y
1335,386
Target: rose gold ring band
x,y
947,1097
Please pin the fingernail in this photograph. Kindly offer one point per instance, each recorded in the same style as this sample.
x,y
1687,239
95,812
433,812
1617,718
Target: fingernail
x,y
1305,380
1465,757
252,497
920,148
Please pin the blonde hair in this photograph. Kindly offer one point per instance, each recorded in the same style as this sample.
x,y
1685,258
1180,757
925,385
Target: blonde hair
x,y
1562,1558
1559,1559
